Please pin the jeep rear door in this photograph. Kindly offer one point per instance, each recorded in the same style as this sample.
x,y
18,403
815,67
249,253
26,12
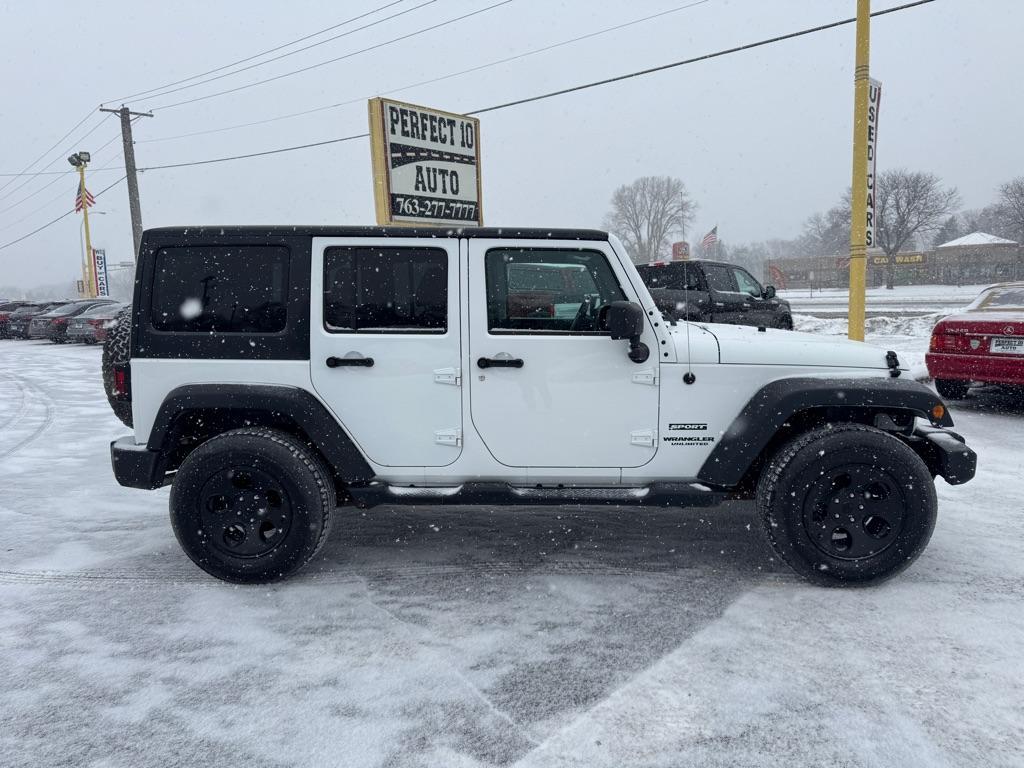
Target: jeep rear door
x,y
385,345
547,387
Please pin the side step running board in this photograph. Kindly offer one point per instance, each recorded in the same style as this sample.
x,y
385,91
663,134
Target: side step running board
x,y
503,494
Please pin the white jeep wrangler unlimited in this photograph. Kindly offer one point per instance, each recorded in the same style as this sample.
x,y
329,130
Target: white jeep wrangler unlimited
x,y
277,372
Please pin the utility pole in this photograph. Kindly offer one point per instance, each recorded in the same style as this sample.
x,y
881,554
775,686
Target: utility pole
x,y
129,169
859,206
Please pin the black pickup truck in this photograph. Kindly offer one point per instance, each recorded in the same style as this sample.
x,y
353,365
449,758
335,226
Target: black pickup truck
x,y
714,292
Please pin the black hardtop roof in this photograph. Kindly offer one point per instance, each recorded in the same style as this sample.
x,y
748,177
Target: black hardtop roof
x,y
689,261
325,230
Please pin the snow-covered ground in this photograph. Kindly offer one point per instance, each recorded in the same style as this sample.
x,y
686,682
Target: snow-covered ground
x,y
487,637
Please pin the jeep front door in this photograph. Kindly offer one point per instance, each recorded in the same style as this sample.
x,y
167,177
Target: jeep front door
x,y
385,345
548,387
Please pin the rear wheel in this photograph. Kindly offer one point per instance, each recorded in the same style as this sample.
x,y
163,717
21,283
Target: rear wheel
x,y
116,354
952,389
847,505
252,505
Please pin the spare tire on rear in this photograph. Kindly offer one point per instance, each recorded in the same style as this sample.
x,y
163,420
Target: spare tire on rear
x,y
116,352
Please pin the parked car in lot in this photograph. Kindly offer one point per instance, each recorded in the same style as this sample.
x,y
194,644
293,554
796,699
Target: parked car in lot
x,y
92,325
714,292
8,308
53,324
984,344
17,326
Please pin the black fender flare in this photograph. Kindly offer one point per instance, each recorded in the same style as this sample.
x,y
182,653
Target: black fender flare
x,y
779,401
281,402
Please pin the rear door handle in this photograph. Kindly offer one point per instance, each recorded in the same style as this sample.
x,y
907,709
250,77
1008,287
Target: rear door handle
x,y
499,362
338,362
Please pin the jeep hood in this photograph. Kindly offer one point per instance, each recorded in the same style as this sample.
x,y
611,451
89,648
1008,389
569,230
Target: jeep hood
x,y
741,344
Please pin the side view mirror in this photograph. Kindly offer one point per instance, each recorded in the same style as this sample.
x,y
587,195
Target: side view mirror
x,y
769,291
625,320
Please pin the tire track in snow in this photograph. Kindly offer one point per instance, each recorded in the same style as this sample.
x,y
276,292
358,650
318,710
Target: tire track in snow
x,y
31,395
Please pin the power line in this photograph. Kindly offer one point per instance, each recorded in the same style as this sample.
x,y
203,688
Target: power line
x,y
336,59
292,53
51,182
551,94
695,59
431,81
506,105
74,128
28,180
54,221
255,55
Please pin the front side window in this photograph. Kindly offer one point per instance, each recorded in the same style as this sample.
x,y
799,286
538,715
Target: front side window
x,y
746,283
371,289
547,290
220,289
720,278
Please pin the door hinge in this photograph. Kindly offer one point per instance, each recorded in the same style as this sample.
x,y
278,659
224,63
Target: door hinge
x,y
649,376
451,376
646,437
448,437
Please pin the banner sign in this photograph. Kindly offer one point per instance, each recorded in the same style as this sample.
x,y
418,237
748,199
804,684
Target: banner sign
x,y
874,107
426,165
680,251
99,262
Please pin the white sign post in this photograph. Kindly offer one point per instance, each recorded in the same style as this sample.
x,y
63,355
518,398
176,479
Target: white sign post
x,y
874,108
426,165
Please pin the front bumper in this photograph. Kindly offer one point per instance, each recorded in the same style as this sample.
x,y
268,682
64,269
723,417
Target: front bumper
x,y
136,466
945,453
988,369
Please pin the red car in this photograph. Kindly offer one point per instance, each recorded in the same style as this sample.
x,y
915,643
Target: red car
x,y
984,344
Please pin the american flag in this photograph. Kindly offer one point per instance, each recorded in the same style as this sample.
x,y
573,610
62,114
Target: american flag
x,y
84,198
710,238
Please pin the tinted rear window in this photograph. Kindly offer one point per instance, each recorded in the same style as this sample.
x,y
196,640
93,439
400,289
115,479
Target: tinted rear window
x,y
220,289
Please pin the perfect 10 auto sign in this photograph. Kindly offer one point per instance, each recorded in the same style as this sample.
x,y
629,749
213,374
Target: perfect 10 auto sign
x,y
426,165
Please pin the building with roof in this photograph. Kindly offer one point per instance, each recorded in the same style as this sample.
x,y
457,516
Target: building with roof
x,y
972,259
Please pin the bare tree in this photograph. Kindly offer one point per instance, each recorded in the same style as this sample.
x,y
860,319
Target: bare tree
x,y
647,213
908,203
1011,207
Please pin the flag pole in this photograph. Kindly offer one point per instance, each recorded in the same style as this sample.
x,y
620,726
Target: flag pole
x,y
90,284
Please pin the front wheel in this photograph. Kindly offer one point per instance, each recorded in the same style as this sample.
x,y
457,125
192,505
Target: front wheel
x,y
252,505
952,389
847,505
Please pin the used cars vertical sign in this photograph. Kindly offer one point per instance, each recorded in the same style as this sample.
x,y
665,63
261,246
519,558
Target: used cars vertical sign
x,y
874,109
426,165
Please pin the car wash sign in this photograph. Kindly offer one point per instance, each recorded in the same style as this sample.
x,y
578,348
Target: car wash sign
x,y
426,165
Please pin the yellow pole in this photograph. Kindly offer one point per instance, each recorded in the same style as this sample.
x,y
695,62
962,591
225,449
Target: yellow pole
x,y
90,288
859,207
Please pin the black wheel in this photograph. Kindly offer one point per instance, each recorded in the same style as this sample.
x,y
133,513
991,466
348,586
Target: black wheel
x,y
786,323
116,352
252,505
952,389
847,505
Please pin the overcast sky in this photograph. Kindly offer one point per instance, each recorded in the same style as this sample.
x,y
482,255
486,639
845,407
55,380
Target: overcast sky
x,y
760,138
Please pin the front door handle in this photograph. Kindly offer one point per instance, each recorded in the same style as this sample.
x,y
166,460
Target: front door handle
x,y
337,362
499,362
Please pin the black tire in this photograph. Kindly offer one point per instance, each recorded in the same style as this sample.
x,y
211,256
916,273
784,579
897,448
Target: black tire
x,y
952,389
252,505
847,505
116,352
786,323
